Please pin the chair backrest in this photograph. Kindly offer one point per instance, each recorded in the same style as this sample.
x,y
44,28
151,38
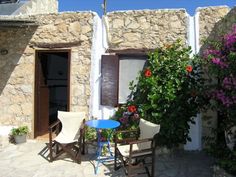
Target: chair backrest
x,y
71,123
147,130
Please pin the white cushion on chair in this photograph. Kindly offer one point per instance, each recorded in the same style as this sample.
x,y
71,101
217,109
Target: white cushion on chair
x,y
71,123
124,150
147,130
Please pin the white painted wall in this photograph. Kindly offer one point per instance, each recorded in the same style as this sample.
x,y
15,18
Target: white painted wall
x,y
98,49
195,131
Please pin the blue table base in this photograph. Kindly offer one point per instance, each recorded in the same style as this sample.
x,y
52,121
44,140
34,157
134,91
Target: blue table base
x,y
101,159
102,144
99,125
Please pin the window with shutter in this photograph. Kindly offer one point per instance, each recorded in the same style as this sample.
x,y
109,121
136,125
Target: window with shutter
x,y
117,72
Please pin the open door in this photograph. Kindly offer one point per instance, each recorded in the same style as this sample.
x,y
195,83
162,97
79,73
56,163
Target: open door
x,y
51,88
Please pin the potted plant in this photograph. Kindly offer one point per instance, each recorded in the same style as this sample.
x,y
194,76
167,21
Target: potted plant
x,y
19,134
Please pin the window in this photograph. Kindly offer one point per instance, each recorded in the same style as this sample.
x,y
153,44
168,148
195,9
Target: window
x,y
117,72
129,68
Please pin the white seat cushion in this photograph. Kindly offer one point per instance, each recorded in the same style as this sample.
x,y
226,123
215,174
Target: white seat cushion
x,y
124,150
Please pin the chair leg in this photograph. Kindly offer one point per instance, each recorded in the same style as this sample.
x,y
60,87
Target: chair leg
x,y
73,151
50,152
146,168
153,163
78,155
115,160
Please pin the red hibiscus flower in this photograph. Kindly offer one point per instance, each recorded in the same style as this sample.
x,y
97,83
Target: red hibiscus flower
x,y
189,69
148,73
193,93
132,108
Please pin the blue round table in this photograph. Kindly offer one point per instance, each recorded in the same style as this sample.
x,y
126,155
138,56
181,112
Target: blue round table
x,y
103,124
98,125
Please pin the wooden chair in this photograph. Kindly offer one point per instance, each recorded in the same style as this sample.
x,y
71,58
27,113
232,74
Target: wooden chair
x,y
69,130
230,137
138,149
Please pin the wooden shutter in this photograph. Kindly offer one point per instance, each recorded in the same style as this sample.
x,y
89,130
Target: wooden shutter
x,y
110,79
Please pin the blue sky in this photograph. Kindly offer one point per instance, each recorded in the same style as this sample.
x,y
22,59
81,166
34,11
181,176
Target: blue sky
x,y
112,5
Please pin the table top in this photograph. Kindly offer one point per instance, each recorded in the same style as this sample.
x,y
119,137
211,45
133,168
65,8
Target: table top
x,y
103,124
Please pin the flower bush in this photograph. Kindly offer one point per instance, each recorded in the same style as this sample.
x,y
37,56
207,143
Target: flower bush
x,y
128,116
220,61
167,93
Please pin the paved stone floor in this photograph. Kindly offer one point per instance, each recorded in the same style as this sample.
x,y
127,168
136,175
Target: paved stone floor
x,y
27,160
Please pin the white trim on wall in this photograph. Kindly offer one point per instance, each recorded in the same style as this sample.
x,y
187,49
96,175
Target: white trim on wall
x,y
197,29
195,131
99,46
96,52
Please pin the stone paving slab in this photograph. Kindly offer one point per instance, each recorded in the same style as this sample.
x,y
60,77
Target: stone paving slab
x,y
27,160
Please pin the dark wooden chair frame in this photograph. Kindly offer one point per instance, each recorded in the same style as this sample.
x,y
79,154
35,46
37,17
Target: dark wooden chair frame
x,y
74,150
135,160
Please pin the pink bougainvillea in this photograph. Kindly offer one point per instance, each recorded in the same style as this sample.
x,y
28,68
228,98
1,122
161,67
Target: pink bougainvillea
x,y
221,69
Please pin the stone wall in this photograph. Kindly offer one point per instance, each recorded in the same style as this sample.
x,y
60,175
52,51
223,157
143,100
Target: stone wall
x,y
213,21
33,7
74,31
209,19
17,76
146,29
142,29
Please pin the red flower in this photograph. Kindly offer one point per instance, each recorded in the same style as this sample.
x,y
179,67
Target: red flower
x,y
193,93
189,68
148,73
132,108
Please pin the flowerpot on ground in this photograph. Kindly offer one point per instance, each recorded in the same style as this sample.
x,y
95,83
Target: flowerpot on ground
x,y
20,138
19,134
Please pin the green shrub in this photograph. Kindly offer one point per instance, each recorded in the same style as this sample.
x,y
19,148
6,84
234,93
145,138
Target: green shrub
x,y
168,92
22,130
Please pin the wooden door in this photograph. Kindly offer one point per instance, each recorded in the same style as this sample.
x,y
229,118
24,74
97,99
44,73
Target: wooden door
x,y
52,72
41,99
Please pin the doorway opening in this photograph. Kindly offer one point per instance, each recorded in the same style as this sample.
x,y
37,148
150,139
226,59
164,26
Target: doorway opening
x,y
51,88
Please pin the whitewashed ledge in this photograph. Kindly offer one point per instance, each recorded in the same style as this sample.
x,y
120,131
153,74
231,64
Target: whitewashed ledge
x,y
4,135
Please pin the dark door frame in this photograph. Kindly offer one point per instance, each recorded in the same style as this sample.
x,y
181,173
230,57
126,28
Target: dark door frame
x,y
36,82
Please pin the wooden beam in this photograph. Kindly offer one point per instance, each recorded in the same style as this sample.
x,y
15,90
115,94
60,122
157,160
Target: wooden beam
x,y
131,51
55,45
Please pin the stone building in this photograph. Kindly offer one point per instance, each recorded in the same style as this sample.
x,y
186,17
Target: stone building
x,y
51,62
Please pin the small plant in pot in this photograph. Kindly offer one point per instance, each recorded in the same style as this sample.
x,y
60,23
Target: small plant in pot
x,y
19,134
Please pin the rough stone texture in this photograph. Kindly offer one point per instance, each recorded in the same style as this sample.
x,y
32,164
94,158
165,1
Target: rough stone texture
x,y
213,22
210,22
146,29
38,7
74,30
126,30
